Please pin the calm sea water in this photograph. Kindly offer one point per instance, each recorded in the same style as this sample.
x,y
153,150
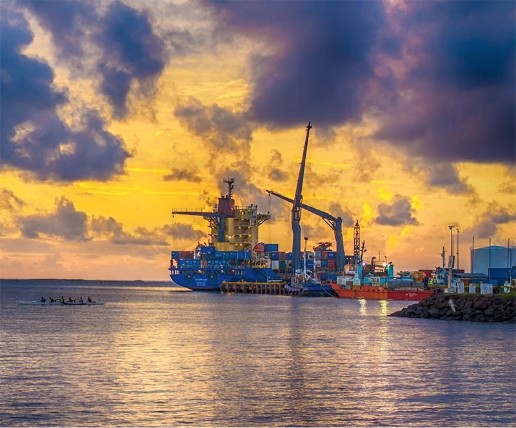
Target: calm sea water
x,y
155,356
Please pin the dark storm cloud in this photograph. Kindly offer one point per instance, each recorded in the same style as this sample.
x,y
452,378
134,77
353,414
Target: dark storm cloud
x,y
68,22
439,77
321,62
65,222
33,136
131,52
399,212
455,100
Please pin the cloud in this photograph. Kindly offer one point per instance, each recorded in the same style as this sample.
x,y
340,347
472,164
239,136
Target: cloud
x,y
177,174
68,22
348,219
120,41
509,184
66,222
131,52
450,96
33,136
227,137
275,168
9,201
437,78
182,231
445,175
320,63
399,212
220,129
488,223
10,207
108,227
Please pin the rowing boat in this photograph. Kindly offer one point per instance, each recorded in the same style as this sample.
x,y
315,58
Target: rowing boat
x,y
57,302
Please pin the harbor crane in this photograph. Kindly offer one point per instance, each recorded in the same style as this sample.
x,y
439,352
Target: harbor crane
x,y
296,209
334,222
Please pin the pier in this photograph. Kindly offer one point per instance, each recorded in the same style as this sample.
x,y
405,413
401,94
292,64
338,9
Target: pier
x,y
276,288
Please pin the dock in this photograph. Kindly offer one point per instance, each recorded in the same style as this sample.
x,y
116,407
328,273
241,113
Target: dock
x,y
275,287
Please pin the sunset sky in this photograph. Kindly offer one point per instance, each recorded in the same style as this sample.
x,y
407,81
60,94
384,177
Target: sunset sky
x,y
114,113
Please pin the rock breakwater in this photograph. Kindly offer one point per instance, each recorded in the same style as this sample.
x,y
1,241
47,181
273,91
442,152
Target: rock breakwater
x,y
464,307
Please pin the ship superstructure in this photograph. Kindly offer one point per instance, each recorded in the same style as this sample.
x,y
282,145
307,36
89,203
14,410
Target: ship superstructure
x,y
234,252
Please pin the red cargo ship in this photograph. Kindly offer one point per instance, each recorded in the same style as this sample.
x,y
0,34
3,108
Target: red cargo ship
x,y
377,282
381,292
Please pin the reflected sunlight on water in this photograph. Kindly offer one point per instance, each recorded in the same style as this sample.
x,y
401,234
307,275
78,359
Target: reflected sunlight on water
x,y
151,356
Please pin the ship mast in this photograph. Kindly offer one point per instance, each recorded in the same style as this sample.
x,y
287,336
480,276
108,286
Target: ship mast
x,y
296,209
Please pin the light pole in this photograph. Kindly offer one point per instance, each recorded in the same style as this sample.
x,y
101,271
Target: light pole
x,y
457,248
450,264
451,247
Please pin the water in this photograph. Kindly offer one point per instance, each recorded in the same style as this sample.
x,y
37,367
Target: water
x,y
155,356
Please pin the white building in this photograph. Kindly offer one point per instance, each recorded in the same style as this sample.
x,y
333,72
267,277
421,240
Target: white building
x,y
495,256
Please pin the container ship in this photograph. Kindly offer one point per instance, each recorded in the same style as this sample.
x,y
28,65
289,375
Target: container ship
x,y
377,282
234,252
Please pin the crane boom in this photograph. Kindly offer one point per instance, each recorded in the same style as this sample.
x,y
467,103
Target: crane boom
x,y
296,208
334,222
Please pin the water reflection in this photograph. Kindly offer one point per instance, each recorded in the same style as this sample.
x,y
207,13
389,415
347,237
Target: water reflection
x,y
363,306
210,360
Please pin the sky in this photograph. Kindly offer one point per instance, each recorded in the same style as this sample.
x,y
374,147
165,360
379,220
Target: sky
x,y
115,113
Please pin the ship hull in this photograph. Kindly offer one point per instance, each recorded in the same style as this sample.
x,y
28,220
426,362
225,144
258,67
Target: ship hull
x,y
211,281
371,292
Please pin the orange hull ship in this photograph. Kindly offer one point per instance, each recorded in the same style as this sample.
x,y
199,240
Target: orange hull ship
x,y
380,292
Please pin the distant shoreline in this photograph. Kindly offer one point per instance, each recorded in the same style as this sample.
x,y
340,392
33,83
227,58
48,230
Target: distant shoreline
x,y
86,280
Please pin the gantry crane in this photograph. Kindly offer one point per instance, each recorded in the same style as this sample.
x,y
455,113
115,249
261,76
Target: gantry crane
x,y
334,222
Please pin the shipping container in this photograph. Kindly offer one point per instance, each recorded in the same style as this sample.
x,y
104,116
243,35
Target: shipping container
x,y
207,250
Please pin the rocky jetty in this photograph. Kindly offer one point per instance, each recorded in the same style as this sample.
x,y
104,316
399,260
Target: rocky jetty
x,y
464,307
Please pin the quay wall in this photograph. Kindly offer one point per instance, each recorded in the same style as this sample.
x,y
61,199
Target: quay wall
x,y
464,307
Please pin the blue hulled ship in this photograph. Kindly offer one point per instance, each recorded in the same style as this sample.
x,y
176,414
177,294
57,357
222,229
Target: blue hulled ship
x,y
234,253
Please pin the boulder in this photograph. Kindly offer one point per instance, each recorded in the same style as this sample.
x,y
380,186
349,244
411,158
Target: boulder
x,y
484,308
